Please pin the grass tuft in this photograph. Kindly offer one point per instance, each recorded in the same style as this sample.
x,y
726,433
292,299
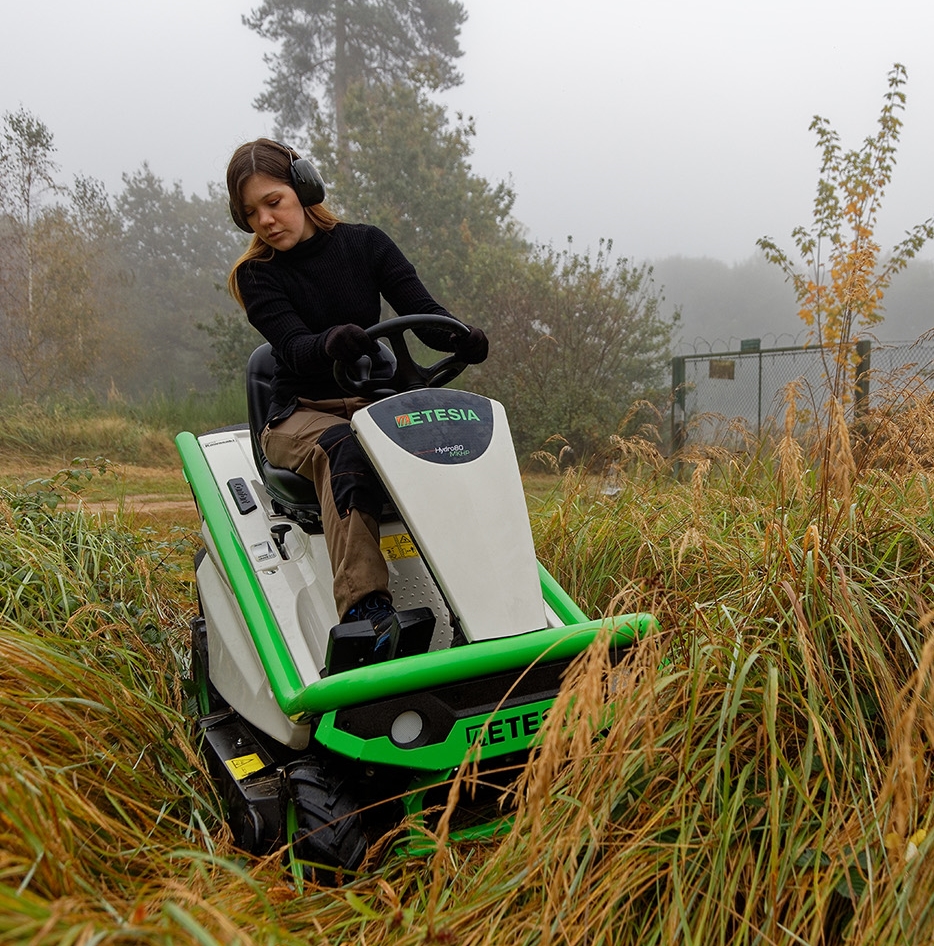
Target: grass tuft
x,y
760,772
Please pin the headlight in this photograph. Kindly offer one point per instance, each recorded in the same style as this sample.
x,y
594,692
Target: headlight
x,y
406,728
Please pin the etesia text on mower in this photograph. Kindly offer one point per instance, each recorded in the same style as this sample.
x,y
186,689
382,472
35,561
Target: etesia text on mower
x,y
436,414
502,729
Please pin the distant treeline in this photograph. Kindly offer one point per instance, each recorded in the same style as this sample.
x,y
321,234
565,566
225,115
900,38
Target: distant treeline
x,y
723,303
123,296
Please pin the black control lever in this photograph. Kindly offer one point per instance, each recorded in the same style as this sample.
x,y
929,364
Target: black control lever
x,y
279,532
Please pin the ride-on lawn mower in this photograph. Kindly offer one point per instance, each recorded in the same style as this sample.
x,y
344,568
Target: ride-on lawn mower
x,y
315,747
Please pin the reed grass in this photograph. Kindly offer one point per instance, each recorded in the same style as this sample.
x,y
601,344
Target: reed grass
x,y
760,772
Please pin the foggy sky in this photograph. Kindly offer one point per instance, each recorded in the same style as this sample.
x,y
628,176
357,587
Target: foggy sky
x,y
671,127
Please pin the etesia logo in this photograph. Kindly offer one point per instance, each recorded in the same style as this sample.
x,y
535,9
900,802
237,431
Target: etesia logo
x,y
436,414
519,726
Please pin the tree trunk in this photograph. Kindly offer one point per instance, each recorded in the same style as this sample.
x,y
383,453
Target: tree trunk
x,y
341,84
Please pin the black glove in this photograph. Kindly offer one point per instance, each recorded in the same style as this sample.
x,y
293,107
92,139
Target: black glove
x,y
346,343
472,348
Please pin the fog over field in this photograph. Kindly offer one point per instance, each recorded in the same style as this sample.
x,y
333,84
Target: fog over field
x,y
672,128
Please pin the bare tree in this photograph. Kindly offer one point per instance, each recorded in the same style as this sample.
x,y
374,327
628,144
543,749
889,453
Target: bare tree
x,y
26,175
54,269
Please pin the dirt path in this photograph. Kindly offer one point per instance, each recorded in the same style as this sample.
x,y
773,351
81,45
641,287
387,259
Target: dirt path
x,y
148,494
149,505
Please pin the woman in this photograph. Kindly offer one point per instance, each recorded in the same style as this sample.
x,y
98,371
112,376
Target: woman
x,y
311,284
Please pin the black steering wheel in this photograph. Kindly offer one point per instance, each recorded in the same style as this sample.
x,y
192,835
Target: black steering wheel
x,y
393,369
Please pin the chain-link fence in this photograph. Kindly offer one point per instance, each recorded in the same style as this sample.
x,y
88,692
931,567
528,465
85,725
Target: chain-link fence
x,y
729,397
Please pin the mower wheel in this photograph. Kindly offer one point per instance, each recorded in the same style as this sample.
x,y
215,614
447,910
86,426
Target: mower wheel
x,y
322,825
207,698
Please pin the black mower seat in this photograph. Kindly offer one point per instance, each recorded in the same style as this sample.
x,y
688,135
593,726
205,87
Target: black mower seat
x,y
289,489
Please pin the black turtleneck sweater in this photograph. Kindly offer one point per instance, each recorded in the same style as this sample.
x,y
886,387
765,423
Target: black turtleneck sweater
x,y
333,278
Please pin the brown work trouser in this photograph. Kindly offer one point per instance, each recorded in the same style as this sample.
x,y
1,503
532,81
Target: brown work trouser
x,y
351,533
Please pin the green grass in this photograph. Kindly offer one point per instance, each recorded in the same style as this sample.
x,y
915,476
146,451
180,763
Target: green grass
x,y
759,773
140,434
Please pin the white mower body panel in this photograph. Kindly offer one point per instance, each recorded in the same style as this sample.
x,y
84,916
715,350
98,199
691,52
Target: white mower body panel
x,y
296,581
448,463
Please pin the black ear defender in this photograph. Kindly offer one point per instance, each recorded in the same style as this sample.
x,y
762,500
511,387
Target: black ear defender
x,y
306,182
238,219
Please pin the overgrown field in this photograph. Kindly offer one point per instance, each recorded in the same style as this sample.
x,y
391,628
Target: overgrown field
x,y
764,774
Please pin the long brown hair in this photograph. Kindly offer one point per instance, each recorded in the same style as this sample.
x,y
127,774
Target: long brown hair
x,y
264,156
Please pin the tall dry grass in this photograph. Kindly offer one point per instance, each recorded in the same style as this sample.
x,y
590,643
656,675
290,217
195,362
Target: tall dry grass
x,y
784,744
759,773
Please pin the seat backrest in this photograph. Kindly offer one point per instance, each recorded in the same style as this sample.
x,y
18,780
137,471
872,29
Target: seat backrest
x,y
292,492
259,371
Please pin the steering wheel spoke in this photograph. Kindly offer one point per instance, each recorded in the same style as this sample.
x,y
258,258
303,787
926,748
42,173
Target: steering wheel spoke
x,y
408,374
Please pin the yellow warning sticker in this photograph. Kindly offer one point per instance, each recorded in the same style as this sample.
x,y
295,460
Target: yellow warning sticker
x,y
397,546
244,765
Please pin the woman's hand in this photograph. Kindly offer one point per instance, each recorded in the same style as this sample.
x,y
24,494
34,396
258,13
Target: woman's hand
x,y
347,343
472,347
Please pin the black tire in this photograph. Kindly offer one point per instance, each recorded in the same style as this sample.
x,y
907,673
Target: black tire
x,y
207,699
321,823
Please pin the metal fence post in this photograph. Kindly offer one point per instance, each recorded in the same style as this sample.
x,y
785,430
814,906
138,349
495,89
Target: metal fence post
x,y
861,387
750,345
759,401
678,402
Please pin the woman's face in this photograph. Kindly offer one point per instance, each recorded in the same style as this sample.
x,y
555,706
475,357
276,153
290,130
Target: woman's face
x,y
272,208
